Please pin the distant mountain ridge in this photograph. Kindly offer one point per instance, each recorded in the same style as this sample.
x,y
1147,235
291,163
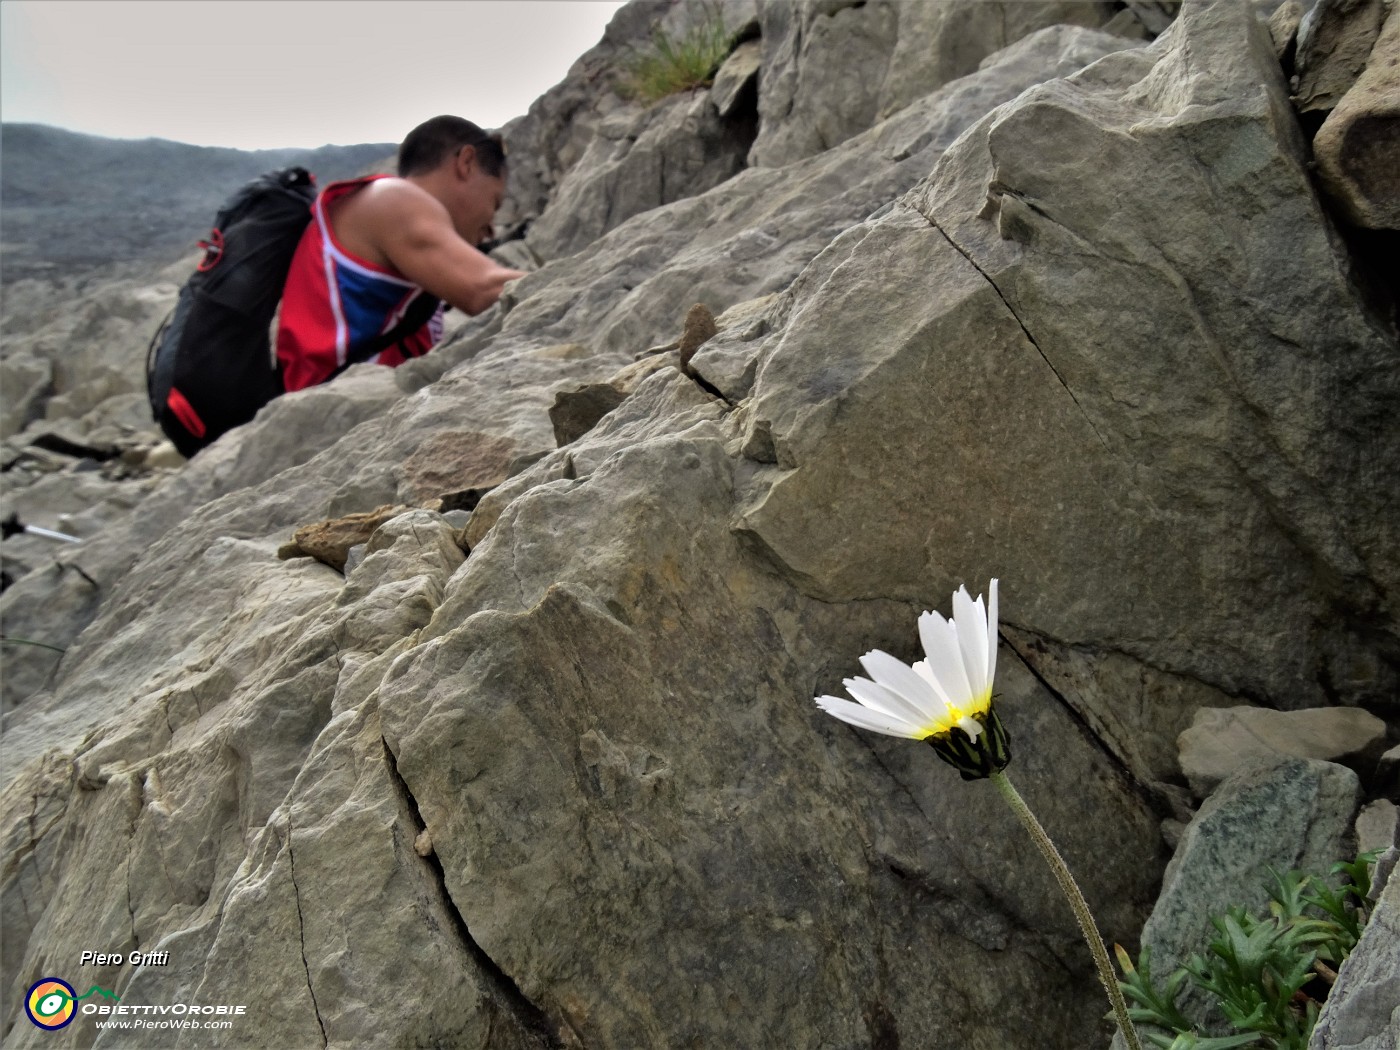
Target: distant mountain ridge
x,y
71,202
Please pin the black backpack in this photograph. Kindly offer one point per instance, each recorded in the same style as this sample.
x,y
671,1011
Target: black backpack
x,y
211,366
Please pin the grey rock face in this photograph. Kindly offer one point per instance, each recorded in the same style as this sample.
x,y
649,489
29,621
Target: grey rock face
x,y
552,137
1335,39
1358,146
738,75
88,340
27,381
635,750
1093,337
1283,27
1377,826
803,108
258,755
57,601
1363,1010
1222,740
575,412
594,158
638,161
833,69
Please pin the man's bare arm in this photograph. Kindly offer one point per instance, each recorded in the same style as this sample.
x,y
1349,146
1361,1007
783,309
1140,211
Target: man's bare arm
x,y
416,236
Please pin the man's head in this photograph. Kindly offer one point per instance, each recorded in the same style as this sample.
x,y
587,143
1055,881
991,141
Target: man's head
x,y
462,166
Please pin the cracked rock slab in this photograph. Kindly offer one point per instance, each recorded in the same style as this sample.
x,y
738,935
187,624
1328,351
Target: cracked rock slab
x,y
609,733
1059,361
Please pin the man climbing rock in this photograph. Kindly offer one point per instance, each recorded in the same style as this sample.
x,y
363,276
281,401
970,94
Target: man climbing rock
x,y
382,250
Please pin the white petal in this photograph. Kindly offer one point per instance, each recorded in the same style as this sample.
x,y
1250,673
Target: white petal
x,y
865,718
945,658
926,674
886,701
898,676
921,668
992,631
970,726
971,620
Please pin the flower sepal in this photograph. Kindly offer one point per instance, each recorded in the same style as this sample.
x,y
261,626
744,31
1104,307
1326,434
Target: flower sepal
x,y
979,758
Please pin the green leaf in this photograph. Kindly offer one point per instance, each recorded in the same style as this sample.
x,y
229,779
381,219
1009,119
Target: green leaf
x,y
1288,903
1359,872
1334,903
1153,1006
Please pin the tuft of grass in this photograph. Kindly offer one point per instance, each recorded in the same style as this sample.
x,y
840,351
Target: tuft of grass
x,y
673,64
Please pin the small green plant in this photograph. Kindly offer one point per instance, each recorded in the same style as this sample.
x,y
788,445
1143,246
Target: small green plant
x,y
680,63
1268,976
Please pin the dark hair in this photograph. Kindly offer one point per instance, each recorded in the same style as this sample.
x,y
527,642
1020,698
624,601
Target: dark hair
x,y
433,141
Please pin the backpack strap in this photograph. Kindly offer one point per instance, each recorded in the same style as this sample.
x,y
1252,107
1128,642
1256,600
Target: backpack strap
x,y
419,313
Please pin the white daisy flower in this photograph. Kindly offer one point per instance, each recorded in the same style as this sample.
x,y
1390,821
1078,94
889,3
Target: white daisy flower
x,y
945,700
950,690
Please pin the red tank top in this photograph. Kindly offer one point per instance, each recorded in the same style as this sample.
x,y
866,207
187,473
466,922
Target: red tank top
x,y
334,301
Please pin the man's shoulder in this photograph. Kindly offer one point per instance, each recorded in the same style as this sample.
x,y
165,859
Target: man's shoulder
x,y
392,197
374,215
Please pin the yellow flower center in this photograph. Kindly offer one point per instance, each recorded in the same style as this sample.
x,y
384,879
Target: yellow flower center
x,y
957,717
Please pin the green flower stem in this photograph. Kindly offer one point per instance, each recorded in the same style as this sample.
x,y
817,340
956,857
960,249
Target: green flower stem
x,y
1076,901
26,641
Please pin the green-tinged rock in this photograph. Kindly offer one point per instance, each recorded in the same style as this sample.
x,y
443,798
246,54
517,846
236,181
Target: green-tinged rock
x,y
1291,813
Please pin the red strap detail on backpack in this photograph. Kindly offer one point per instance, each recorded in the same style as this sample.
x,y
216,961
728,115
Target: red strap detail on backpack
x,y
185,413
213,250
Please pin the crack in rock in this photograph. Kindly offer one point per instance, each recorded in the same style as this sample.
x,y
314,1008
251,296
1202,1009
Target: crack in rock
x,y
530,1016
1015,317
301,934
708,387
130,909
1143,791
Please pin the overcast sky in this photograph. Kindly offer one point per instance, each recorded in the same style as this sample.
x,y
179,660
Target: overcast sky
x,y
258,74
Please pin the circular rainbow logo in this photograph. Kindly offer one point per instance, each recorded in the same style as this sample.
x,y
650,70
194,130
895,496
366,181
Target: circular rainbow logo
x,y
50,1003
